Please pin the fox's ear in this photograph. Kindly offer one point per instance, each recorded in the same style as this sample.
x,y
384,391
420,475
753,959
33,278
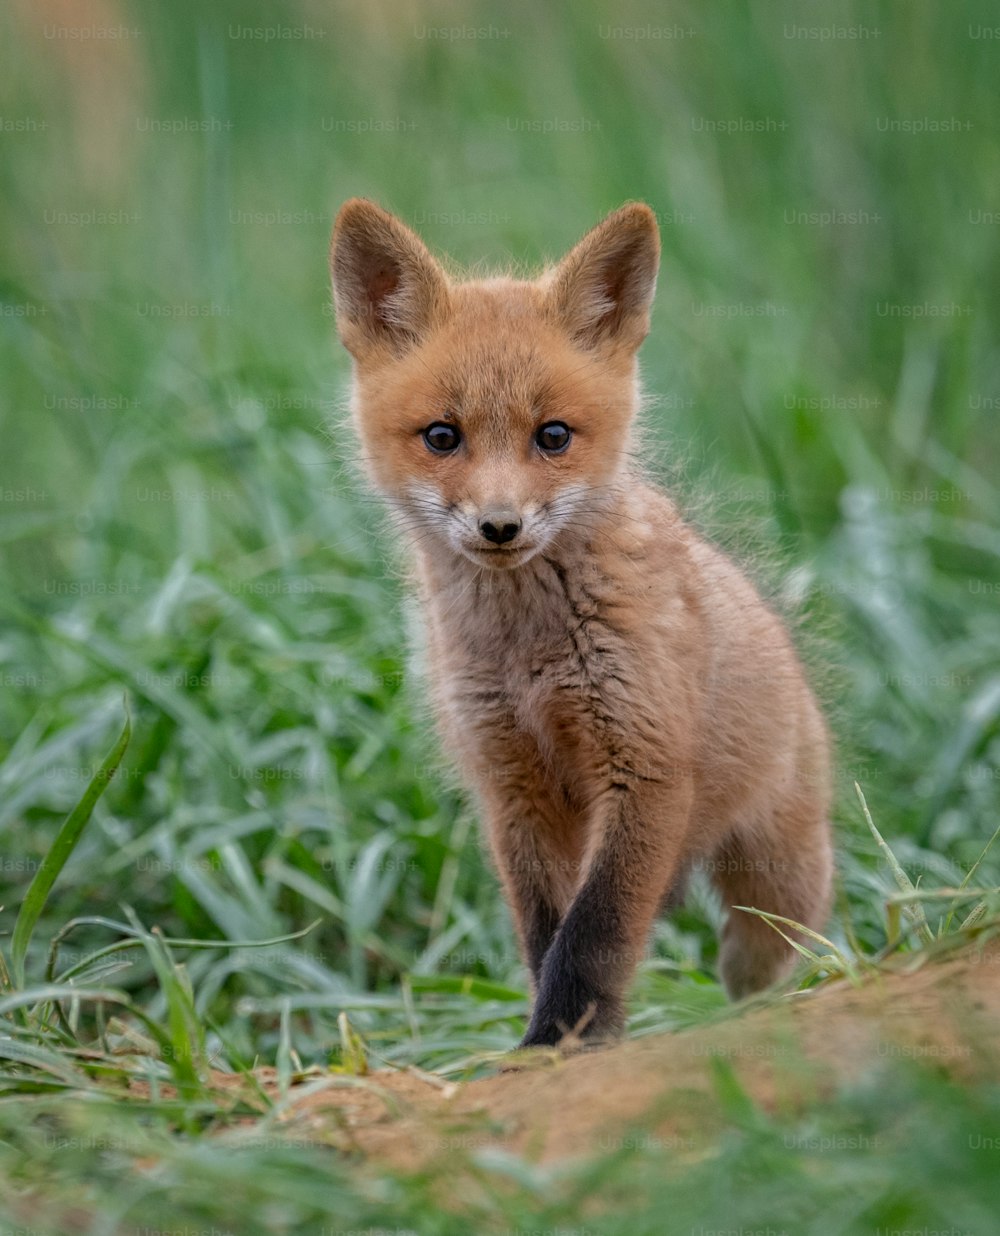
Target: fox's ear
x,y
387,289
603,288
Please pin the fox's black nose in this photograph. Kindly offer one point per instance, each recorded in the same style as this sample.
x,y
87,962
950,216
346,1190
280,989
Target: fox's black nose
x,y
499,527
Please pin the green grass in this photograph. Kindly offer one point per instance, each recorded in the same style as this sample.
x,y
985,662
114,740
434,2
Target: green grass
x,y
181,524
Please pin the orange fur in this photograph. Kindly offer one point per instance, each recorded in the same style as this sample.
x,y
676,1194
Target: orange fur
x,y
615,692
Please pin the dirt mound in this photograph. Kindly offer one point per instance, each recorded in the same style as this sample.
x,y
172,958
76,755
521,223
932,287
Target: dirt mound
x,y
659,1090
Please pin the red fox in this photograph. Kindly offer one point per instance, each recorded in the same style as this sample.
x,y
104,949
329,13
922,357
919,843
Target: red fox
x,y
618,697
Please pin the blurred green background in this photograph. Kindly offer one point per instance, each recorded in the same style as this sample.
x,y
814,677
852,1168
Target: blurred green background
x,y
182,521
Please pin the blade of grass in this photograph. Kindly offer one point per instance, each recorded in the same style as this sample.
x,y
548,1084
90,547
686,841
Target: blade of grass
x,y
60,851
970,873
974,915
773,919
353,1055
283,1058
136,938
184,1049
464,984
914,910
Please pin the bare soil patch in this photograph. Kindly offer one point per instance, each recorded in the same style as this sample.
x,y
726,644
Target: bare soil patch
x,y
670,1088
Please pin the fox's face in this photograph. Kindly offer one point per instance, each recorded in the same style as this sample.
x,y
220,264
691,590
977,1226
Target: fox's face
x,y
495,414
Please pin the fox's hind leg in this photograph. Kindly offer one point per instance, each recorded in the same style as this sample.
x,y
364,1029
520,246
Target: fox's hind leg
x,y
784,866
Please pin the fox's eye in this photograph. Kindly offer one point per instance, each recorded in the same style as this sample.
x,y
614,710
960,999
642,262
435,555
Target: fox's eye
x,y
553,437
441,438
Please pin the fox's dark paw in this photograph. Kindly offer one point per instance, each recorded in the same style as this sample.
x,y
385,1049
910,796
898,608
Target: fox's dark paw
x,y
591,1030
541,1036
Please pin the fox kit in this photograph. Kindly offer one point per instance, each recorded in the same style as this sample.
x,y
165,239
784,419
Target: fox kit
x,y
614,691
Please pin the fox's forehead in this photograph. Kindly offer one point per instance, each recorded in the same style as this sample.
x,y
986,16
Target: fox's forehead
x,y
499,351
498,298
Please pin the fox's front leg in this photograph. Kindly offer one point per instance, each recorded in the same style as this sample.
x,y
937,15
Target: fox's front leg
x,y
536,840
588,966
